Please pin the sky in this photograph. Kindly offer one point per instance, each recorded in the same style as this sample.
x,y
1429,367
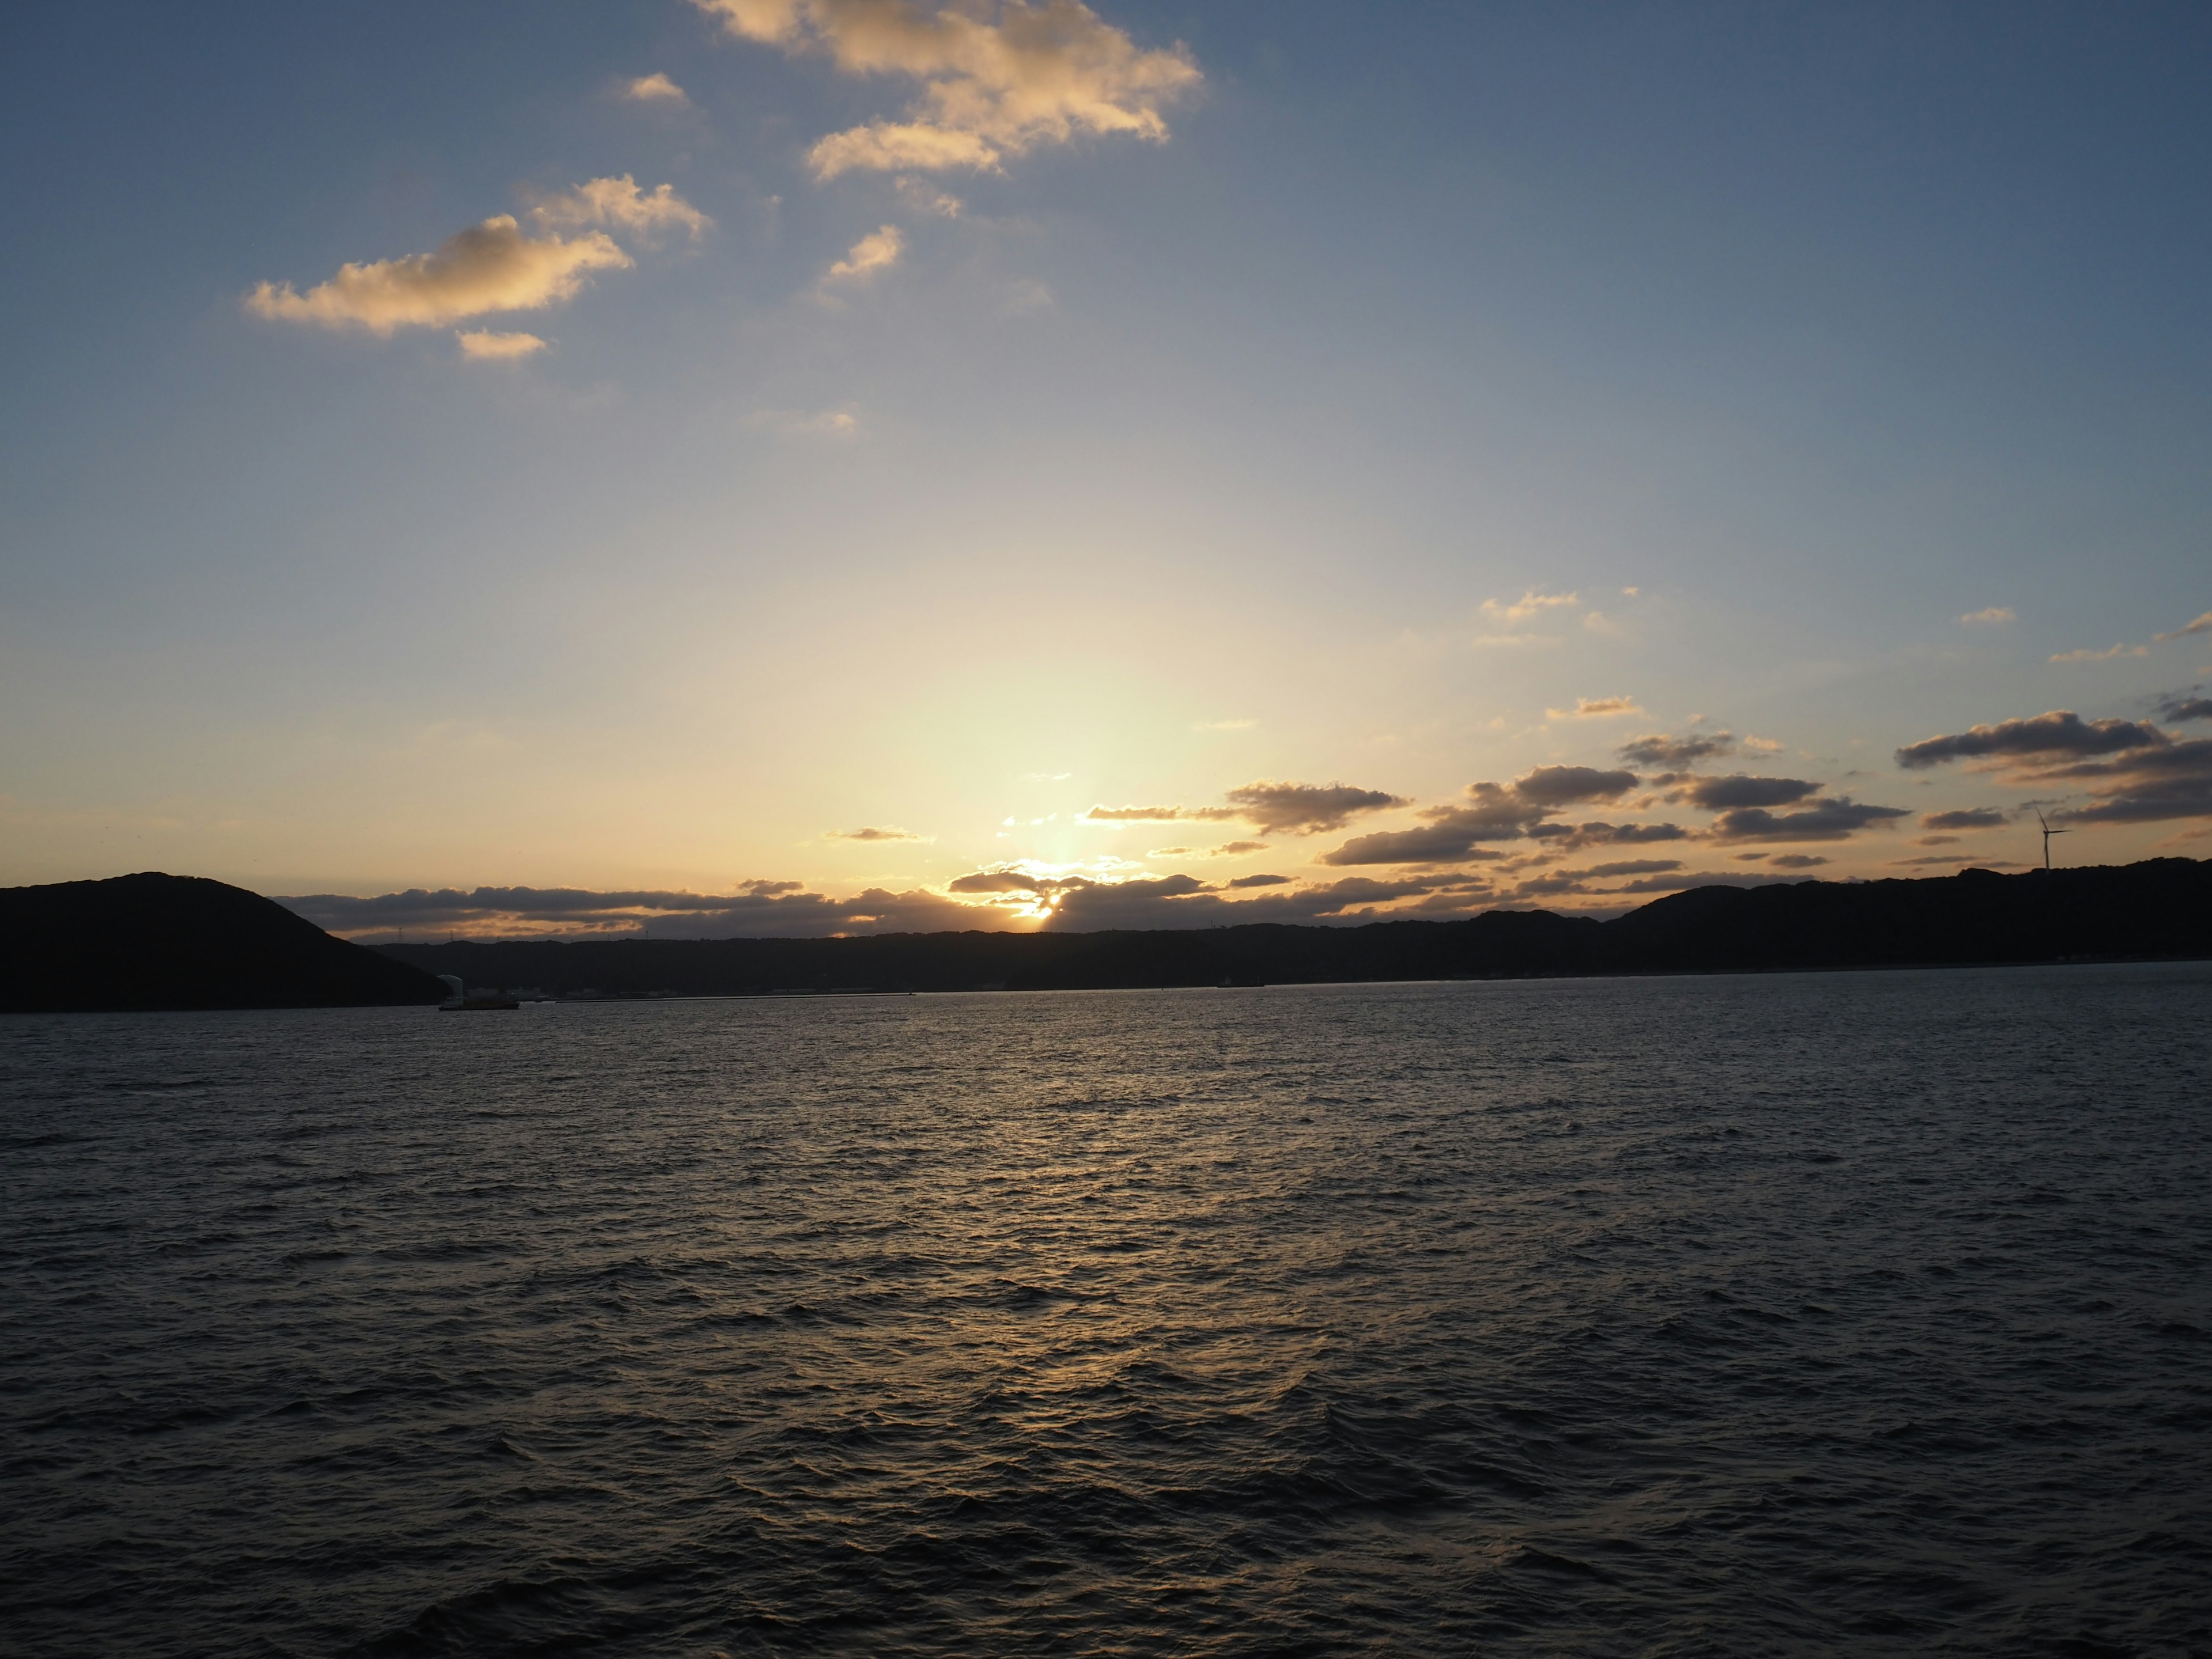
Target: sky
x,y
724,467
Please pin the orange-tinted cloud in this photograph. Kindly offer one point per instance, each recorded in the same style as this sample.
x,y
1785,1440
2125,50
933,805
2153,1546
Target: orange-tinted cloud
x,y
999,78
490,267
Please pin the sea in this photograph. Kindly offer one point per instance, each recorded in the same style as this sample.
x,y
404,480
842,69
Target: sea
x,y
1863,1313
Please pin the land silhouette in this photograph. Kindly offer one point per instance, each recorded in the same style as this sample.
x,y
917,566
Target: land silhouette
x,y
155,941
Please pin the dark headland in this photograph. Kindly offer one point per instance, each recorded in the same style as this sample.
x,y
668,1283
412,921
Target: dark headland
x,y
178,942
153,941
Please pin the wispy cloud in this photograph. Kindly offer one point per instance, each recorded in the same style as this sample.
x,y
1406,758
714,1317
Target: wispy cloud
x,y
874,253
620,204
870,833
840,424
1994,616
998,78
1595,708
482,345
490,267
655,88
1530,604
2185,706
2105,656
1270,807
2202,625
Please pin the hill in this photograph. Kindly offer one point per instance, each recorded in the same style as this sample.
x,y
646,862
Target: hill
x,y
2159,908
154,941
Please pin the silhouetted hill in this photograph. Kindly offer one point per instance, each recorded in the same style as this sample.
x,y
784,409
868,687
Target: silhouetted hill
x,y
154,941
2160,908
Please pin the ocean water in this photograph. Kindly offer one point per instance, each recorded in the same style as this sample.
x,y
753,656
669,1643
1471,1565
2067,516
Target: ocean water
x,y
1864,1313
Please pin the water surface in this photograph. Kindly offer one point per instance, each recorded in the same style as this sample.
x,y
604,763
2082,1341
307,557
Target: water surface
x,y
1801,1313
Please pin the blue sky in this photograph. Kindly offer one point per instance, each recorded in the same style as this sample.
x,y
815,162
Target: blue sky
x,y
1253,424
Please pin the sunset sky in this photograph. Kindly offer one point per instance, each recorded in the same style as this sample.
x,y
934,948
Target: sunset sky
x,y
742,466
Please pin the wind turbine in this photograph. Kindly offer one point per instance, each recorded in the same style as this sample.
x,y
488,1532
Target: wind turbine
x,y
2048,832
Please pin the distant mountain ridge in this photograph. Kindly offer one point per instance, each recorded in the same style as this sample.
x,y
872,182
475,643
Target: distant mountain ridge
x,y
152,941
2161,908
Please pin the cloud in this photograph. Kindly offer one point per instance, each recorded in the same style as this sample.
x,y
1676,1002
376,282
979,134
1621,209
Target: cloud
x,y
998,78
1658,749
1449,838
488,267
1530,604
2183,705
1305,809
2202,625
758,909
2133,772
2145,786
878,251
1971,818
1595,708
923,197
1629,867
799,424
1259,881
2105,656
1740,789
998,881
1153,814
1995,613
1831,818
1236,849
2059,733
655,88
1564,786
1799,860
1489,812
1292,808
619,205
1574,837
482,345
870,833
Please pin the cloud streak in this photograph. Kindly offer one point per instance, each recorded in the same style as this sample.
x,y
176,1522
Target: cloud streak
x,y
873,254
2132,772
490,267
1270,807
482,345
619,205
